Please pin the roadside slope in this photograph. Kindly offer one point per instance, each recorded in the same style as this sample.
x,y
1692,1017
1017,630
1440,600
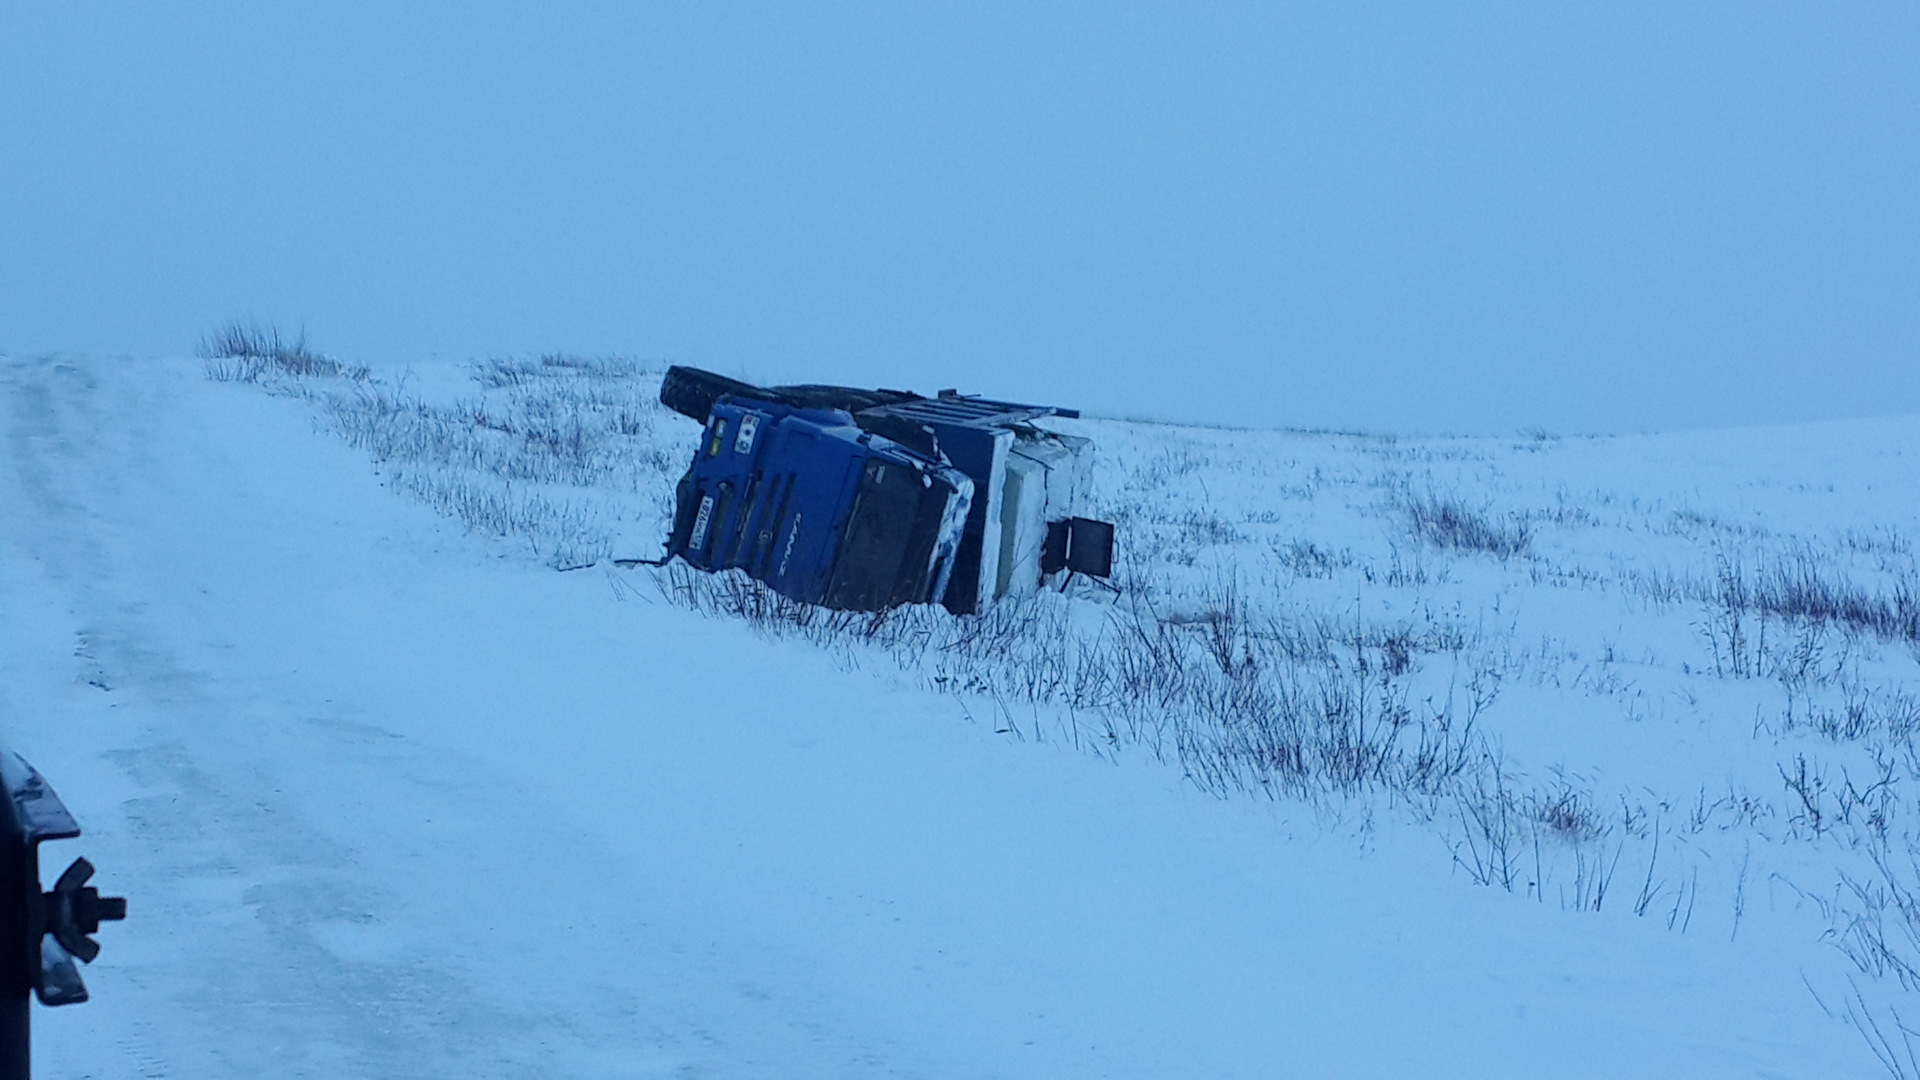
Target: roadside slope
x,y
391,800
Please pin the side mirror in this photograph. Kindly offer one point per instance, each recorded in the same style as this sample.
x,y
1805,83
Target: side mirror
x,y
41,933
1078,545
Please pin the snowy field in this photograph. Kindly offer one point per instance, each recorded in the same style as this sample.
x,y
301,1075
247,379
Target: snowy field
x,y
1389,758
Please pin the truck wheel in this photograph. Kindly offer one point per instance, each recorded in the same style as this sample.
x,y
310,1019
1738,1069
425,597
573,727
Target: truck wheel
x,y
691,392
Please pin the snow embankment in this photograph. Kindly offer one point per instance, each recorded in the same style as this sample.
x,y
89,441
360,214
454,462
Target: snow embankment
x,y
392,799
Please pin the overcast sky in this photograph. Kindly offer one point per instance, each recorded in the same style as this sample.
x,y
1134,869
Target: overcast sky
x,y
1478,218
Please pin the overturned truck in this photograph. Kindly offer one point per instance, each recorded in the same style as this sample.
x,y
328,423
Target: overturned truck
x,y
866,499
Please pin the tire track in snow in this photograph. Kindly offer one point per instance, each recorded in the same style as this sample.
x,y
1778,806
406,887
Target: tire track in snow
x,y
285,922
255,973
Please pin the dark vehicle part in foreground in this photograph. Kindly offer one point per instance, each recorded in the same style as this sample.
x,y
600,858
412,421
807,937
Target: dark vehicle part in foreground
x,y
861,500
41,934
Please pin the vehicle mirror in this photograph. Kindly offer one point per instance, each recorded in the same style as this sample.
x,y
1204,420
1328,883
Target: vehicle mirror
x,y
41,934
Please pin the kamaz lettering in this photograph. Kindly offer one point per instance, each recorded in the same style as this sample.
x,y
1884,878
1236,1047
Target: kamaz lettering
x,y
787,555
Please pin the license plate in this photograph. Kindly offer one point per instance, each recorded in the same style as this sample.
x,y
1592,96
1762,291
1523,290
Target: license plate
x,y
700,523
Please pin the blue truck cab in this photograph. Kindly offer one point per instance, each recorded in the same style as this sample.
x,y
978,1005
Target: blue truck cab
x,y
862,500
819,510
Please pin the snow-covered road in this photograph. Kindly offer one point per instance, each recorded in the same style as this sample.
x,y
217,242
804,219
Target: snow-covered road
x,y
393,801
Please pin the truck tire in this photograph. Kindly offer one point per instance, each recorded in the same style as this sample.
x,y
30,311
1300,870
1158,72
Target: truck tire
x,y
691,392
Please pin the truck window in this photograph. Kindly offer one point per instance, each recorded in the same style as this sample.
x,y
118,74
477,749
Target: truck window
x,y
868,566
